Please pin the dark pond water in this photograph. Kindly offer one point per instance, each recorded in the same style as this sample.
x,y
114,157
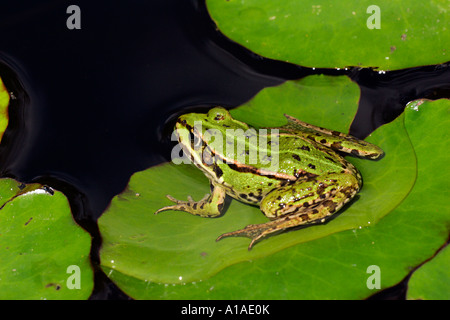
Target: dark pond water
x,y
92,106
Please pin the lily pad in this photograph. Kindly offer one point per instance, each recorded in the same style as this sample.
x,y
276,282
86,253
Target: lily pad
x,y
336,266
337,34
158,256
432,280
44,253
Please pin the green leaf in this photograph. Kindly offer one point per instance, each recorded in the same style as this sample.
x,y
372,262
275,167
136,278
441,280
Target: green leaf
x,y
336,266
427,124
334,34
39,242
174,254
431,281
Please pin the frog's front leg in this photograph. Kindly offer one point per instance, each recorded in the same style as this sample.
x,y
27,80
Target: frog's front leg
x,y
301,202
210,206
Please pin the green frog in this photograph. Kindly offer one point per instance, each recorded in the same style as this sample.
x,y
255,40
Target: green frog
x,y
295,174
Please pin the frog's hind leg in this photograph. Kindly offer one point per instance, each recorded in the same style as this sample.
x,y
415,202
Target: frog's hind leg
x,y
335,140
316,214
292,206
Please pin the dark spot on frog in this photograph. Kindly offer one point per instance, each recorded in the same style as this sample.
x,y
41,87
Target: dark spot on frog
x,y
243,195
304,217
269,184
355,152
218,171
220,206
311,166
348,191
335,133
330,204
305,148
336,145
323,141
309,175
195,206
321,188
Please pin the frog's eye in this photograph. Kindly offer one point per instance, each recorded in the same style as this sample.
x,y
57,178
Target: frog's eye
x,y
218,114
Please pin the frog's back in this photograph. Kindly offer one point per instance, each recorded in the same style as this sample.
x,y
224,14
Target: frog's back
x,y
306,157
296,158
284,155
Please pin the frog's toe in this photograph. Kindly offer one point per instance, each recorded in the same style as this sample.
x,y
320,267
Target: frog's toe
x,y
252,231
163,209
172,207
189,206
168,196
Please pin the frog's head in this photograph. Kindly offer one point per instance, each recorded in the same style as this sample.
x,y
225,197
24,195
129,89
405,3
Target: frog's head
x,y
217,118
197,130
